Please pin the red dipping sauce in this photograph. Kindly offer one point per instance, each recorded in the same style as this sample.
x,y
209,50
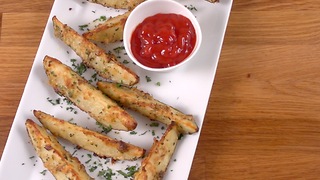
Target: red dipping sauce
x,y
163,40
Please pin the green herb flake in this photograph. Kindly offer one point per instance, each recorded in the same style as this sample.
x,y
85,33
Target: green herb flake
x,y
80,68
154,124
104,129
107,174
119,49
102,18
148,78
191,7
43,172
82,27
143,133
87,161
133,132
54,101
158,84
125,62
130,170
93,168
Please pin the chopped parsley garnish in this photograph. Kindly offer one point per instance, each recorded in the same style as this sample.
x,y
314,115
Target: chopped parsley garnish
x,y
54,101
148,78
119,49
71,109
130,170
106,174
79,68
158,84
133,132
67,101
191,7
143,133
88,161
82,27
93,168
74,152
101,18
104,129
125,62
154,124
43,172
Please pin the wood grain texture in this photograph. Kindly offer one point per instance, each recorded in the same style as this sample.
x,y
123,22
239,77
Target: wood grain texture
x,y
263,118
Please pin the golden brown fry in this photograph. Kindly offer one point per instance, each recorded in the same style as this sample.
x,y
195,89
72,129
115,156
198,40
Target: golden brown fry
x,y
94,57
101,145
118,4
155,164
54,157
213,1
68,83
145,104
110,31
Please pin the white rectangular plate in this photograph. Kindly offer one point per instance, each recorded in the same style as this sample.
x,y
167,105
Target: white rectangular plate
x,y
187,89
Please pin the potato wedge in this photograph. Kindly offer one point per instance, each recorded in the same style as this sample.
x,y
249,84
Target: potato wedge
x,y
110,31
101,145
54,157
94,57
155,164
212,1
68,83
118,4
145,104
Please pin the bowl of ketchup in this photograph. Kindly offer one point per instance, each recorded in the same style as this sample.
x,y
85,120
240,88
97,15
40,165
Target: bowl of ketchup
x,y
161,35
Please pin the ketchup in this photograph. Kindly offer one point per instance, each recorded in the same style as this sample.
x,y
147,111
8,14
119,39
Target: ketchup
x,y
163,40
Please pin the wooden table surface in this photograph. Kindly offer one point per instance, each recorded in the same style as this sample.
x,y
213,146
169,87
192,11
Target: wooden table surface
x,y
263,119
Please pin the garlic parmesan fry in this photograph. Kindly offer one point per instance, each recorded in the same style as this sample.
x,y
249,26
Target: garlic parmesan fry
x,y
118,4
93,56
145,104
101,145
110,31
155,164
68,83
212,1
54,157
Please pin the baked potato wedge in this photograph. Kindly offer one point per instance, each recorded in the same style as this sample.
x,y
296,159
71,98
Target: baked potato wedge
x,y
155,164
101,145
108,32
212,1
106,65
55,158
118,4
145,104
88,98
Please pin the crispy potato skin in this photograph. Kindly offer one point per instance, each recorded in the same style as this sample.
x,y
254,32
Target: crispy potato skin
x,y
213,1
118,4
101,145
145,104
155,164
110,31
106,65
68,83
54,157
